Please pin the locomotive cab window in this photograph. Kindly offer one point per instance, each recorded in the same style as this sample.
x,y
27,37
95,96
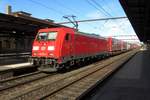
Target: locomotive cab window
x,y
42,36
67,37
47,36
52,36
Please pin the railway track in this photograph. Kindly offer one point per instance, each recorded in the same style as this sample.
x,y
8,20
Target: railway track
x,y
72,84
66,85
80,83
12,82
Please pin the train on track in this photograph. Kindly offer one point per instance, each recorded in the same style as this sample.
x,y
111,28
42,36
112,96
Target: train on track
x,y
59,48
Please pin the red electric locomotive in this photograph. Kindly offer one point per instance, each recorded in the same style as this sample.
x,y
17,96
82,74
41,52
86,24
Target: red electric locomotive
x,y
57,48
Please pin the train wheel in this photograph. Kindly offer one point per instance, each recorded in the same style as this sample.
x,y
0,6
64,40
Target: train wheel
x,y
67,66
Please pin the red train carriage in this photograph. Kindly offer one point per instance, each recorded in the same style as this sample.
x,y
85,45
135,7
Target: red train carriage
x,y
90,45
133,46
56,48
114,45
125,46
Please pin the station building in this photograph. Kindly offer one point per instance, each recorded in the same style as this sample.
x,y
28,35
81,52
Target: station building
x,y
18,30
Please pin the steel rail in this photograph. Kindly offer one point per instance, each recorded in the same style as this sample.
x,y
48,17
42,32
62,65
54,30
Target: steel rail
x,y
20,80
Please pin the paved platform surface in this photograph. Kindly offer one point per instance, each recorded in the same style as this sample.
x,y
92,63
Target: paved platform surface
x,y
131,82
13,61
15,66
14,58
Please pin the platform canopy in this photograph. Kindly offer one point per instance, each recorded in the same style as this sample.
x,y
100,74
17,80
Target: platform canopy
x,y
18,23
138,12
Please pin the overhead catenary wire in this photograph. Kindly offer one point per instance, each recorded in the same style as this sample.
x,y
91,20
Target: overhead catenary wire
x,y
61,13
101,7
96,7
105,10
98,19
68,8
64,6
50,8
98,4
108,7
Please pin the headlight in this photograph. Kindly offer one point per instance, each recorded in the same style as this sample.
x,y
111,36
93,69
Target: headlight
x,y
35,47
51,47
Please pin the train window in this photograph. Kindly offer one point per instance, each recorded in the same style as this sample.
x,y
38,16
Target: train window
x,y
47,36
52,35
42,36
67,37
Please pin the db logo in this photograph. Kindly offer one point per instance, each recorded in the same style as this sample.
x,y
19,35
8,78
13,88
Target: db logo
x,y
43,48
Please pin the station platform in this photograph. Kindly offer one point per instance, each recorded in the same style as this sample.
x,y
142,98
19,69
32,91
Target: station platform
x,y
131,82
14,66
14,58
10,70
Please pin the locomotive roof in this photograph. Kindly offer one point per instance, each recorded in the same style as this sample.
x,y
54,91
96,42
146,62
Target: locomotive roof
x,y
90,35
84,33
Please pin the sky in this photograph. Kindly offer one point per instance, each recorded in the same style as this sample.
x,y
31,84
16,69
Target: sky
x,y
82,9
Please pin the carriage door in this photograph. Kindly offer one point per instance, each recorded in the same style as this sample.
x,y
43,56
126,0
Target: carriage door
x,y
68,39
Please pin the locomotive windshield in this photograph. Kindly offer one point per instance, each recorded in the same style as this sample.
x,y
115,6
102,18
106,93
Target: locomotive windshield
x,y
47,36
52,35
42,36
